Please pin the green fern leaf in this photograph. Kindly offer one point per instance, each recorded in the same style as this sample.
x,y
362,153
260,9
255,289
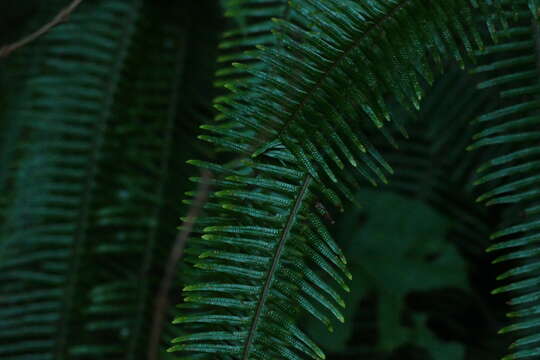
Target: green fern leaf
x,y
262,242
46,231
259,262
331,77
510,178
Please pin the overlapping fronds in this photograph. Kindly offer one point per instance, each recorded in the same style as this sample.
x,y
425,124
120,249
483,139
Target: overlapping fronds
x,y
264,254
434,167
129,215
65,112
419,171
312,85
326,86
511,178
150,136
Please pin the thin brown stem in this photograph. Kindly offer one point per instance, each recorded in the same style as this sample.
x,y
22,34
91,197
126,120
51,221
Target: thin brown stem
x,y
61,17
162,297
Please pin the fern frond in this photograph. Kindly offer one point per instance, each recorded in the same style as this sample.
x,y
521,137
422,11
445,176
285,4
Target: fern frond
x,y
46,230
434,167
129,212
264,253
328,83
511,178
262,247
133,225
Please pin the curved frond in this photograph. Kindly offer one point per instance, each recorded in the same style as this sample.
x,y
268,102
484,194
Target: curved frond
x,y
328,83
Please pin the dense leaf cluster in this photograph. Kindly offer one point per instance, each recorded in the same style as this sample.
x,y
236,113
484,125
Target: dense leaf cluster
x,y
314,102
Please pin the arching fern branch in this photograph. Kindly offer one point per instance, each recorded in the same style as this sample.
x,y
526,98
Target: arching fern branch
x,y
512,177
327,85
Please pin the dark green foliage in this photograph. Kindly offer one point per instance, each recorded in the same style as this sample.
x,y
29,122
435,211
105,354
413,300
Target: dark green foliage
x,y
120,96
133,212
46,229
353,57
257,248
432,263
262,216
431,167
316,101
511,177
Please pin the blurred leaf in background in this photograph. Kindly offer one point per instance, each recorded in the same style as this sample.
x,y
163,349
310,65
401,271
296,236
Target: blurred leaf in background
x,y
393,253
97,119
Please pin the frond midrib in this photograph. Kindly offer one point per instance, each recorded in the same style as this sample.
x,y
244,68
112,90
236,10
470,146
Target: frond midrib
x,y
275,261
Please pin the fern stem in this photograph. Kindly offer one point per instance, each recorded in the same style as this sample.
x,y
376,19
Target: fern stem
x,y
275,261
61,17
162,300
